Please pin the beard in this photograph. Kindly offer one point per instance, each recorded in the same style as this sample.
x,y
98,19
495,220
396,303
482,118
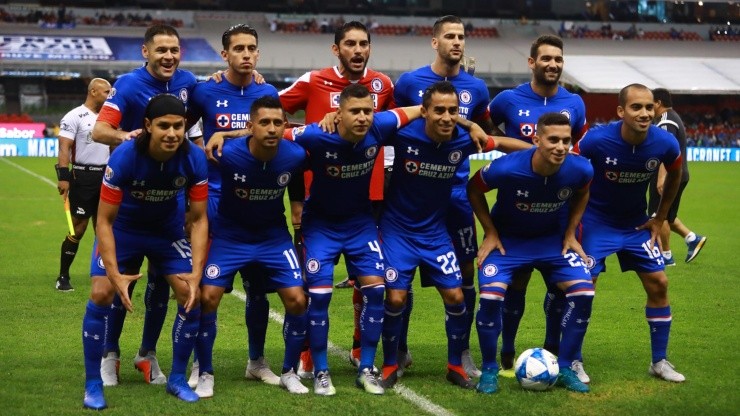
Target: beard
x,y
346,64
541,78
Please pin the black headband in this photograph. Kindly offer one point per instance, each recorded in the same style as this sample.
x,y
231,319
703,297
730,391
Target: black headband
x,y
162,105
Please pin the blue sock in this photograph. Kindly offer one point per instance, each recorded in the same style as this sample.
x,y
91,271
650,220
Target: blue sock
x,y
371,323
392,322
95,326
294,335
156,297
455,329
468,289
318,320
206,338
553,305
579,299
115,325
256,314
511,315
403,340
184,333
659,320
488,323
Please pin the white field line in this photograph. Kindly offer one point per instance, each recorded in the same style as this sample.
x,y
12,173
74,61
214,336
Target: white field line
x,y
34,174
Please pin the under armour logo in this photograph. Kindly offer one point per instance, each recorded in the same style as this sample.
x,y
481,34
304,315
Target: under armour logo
x,y
296,275
379,266
524,113
238,177
412,150
328,82
522,193
139,183
610,161
330,155
224,103
421,93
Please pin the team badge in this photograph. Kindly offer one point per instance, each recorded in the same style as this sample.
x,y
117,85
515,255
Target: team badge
x,y
391,274
112,93
223,120
371,151
89,139
212,271
64,126
299,130
284,178
180,181
108,173
564,194
241,193
465,97
183,95
100,262
590,262
376,84
652,164
137,194
455,156
490,270
565,112
313,265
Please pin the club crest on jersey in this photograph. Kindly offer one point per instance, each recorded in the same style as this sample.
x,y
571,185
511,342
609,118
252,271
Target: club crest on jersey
x,y
313,266
490,270
183,95
465,97
333,171
283,179
565,112
411,166
527,129
564,194
391,274
180,181
108,173
334,99
371,152
223,120
590,262
299,130
455,156
212,271
376,84
242,193
112,93
100,262
652,164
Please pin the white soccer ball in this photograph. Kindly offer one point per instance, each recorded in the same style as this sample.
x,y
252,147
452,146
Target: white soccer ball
x,y
536,369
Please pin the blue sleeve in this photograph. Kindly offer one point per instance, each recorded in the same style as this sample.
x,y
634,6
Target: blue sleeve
x,y
309,137
493,174
386,122
200,164
482,105
400,97
498,107
120,164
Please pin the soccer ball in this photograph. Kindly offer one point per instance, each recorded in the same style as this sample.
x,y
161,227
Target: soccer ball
x,y
536,369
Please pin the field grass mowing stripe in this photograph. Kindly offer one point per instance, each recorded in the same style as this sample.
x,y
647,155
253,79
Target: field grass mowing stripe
x,y
34,174
406,393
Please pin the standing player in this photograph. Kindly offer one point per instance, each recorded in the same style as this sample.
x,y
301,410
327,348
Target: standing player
x,y
626,155
120,120
449,42
82,185
541,196
250,228
519,109
667,119
224,106
140,215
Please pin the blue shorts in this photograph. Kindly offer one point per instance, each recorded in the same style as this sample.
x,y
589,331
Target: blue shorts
x,y
404,253
273,251
167,254
542,253
461,226
632,247
324,240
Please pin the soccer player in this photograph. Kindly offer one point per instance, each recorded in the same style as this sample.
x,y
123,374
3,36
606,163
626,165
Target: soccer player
x,y
120,120
81,186
542,194
250,227
449,42
519,109
626,154
224,106
139,216
667,119
428,153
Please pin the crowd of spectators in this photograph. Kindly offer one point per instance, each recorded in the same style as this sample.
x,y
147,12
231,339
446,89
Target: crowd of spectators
x,y
724,33
569,29
63,18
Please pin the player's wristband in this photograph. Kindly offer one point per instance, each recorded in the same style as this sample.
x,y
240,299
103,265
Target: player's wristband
x,y
62,173
296,226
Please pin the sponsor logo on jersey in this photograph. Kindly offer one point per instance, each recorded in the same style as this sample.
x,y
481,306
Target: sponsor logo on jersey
x,y
391,274
490,270
527,129
313,265
137,194
334,99
108,173
180,181
652,164
376,85
465,97
283,178
411,166
212,271
564,194
222,103
522,206
333,170
524,113
241,193
223,120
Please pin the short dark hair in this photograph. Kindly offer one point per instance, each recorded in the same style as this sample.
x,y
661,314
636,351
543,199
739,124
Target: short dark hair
x,y
622,98
353,91
266,101
664,96
552,119
441,87
237,29
158,106
155,30
551,40
437,28
351,25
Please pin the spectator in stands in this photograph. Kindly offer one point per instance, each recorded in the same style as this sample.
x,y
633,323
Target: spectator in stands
x,y
631,33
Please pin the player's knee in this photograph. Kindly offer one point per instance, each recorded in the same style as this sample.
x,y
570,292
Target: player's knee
x,y
209,299
453,297
102,294
395,301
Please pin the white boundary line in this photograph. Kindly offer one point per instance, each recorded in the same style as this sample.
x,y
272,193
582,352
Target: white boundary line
x,y
406,393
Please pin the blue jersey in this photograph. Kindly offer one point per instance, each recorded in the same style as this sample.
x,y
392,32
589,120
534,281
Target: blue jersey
x,y
471,91
520,108
252,190
623,171
528,204
341,169
147,190
224,106
131,93
423,174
